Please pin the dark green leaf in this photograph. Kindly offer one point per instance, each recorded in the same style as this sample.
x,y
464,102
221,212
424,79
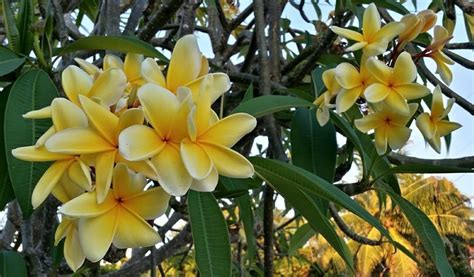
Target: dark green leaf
x,y
210,235
269,104
14,42
24,21
124,44
6,190
233,187
12,264
299,239
33,90
246,215
9,61
248,93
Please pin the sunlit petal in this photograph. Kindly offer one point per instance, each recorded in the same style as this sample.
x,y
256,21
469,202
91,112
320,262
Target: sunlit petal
x,y
426,126
370,22
376,93
112,61
404,71
65,115
86,205
39,114
379,70
129,118
221,84
45,136
77,141
348,76
109,87
397,136
80,174
346,98
356,46
445,127
172,175
347,33
195,159
47,182
207,184
148,204
229,130
72,249
41,154
367,123
105,122
376,48
88,67
185,63
132,67
151,72
132,231
139,142
397,103
228,162
104,165
389,31
412,91
75,82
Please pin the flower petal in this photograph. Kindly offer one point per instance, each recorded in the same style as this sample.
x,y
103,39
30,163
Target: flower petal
x,y
397,103
139,142
172,175
376,93
122,182
148,204
129,118
347,33
412,91
346,98
228,162
73,250
322,115
112,61
109,87
356,46
426,126
66,190
207,184
230,130
41,154
47,182
45,136
348,76
379,70
435,143
66,114
404,71
151,72
381,140
220,85
132,67
86,205
371,22
96,234
185,63
132,231
62,229
369,122
437,107
88,67
144,167
77,141
75,82
195,159
79,173
376,48
397,136
445,127
389,31
104,166
39,114
105,122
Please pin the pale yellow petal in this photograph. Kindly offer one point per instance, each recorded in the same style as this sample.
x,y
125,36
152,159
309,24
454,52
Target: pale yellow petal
x,y
347,33
96,234
47,182
88,67
172,174
437,107
396,102
144,167
397,136
72,249
39,114
368,122
109,87
444,71
435,143
404,71
104,166
185,63
66,114
75,82
104,121
377,92
122,182
132,231
204,66
381,140
347,76
379,70
195,159
86,205
139,142
41,154
426,126
148,204
322,115
445,127
45,136
230,130
66,189
80,174
376,48
356,46
389,31
412,91
329,79
77,141
207,184
371,22
129,118
132,67
112,61
151,72
429,19
228,162
62,229
221,84
346,98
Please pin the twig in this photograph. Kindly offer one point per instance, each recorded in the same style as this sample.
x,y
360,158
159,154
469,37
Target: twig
x,y
159,19
135,14
465,6
398,159
113,17
300,8
459,59
460,45
240,18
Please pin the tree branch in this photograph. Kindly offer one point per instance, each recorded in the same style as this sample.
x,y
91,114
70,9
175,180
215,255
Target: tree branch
x,y
135,14
159,19
465,6
398,159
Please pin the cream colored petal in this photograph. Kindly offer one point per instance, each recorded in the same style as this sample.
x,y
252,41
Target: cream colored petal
x,y
444,72
435,143
368,122
376,48
230,130
172,174
396,102
66,189
322,115
129,118
112,61
44,137
389,31
347,76
397,136
132,67
39,114
151,72
185,63
122,182
195,159
204,66
144,167
445,127
347,33
72,249
77,141
221,84
426,126
80,174
412,91
356,46
207,184
139,182
371,22
413,26
437,106
104,166
377,92
47,182
203,105
66,114
228,162
381,140
96,234
404,71
329,76
109,87
104,121
180,122
41,154
379,70
347,98
85,206
160,106
429,19
75,82
62,229
139,142
148,204
88,67
132,231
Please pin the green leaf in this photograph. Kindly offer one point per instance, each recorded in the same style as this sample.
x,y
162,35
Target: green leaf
x,y
24,21
233,187
6,189
248,93
299,239
33,90
426,231
14,42
12,264
9,61
269,104
123,44
246,215
391,5
210,235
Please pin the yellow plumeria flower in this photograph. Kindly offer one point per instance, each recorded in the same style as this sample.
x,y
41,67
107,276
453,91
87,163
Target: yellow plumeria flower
x,y
167,114
353,84
73,253
89,68
374,38
72,166
101,139
188,67
433,126
323,102
389,127
207,151
120,218
415,25
441,37
394,86
131,67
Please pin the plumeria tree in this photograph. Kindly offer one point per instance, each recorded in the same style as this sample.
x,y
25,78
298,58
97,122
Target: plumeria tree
x,y
124,147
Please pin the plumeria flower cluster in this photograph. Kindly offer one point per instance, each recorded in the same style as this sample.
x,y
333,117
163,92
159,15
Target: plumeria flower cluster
x,y
387,83
125,140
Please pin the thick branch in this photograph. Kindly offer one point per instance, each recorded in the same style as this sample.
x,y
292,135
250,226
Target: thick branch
x,y
398,159
460,45
135,14
159,19
459,59
465,6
